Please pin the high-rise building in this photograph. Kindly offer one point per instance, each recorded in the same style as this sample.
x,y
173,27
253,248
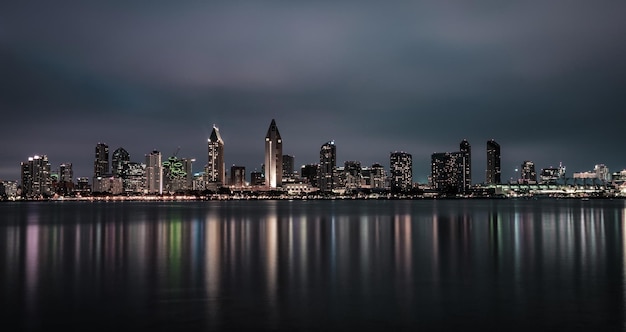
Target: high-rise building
x,y
215,171
309,174
288,164
273,157
257,178
237,176
177,174
154,173
494,171
119,159
66,179
377,176
66,174
36,179
353,174
466,152
101,162
528,173
328,165
135,178
401,170
448,172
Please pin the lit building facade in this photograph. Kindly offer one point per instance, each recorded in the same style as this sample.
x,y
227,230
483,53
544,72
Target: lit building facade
x,y
119,159
447,172
273,157
327,167
353,174
528,174
466,153
101,162
401,171
310,173
215,170
494,170
288,168
154,173
177,174
134,181
238,176
36,179
66,179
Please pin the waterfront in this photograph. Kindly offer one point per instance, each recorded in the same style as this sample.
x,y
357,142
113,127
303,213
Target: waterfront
x,y
314,265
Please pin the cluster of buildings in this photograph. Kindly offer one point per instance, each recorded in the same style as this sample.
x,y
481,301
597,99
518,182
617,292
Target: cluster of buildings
x,y
451,174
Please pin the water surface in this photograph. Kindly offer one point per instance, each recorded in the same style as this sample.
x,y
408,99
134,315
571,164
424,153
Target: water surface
x,y
513,265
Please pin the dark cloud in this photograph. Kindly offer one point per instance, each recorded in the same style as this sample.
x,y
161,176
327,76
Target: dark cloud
x,y
544,79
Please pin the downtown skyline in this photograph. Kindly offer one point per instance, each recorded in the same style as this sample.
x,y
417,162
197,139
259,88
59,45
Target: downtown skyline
x,y
217,169
544,80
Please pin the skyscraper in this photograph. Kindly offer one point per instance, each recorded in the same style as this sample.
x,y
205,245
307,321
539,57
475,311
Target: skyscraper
x,y
215,169
36,180
447,172
288,165
328,164
273,157
237,176
528,173
154,173
401,170
119,160
494,171
466,153
101,162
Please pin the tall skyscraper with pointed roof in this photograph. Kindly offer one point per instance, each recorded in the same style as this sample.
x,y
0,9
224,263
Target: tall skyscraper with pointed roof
x,y
216,169
273,157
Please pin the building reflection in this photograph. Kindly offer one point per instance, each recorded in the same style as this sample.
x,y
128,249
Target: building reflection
x,y
201,257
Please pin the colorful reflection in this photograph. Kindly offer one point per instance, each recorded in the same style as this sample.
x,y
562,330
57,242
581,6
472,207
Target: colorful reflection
x,y
410,261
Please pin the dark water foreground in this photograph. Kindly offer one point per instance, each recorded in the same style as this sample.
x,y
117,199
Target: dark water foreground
x,y
508,265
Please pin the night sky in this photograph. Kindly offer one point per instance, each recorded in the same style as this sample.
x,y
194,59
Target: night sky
x,y
546,80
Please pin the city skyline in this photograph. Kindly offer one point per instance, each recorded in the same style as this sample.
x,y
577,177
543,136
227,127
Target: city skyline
x,y
544,80
328,159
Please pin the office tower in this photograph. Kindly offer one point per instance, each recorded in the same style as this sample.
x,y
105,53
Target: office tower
x,y
401,170
377,176
257,179
494,172
273,157
309,174
36,179
82,184
216,169
134,180
328,165
66,179
353,174
288,162
177,174
101,162
466,153
66,174
119,159
448,172
238,176
602,172
528,173
154,173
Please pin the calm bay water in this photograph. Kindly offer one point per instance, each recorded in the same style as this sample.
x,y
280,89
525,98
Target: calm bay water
x,y
513,265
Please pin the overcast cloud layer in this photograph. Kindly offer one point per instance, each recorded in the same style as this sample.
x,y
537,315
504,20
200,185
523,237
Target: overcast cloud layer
x,y
544,79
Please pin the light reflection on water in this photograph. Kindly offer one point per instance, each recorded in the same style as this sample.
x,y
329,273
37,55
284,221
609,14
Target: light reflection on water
x,y
316,264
